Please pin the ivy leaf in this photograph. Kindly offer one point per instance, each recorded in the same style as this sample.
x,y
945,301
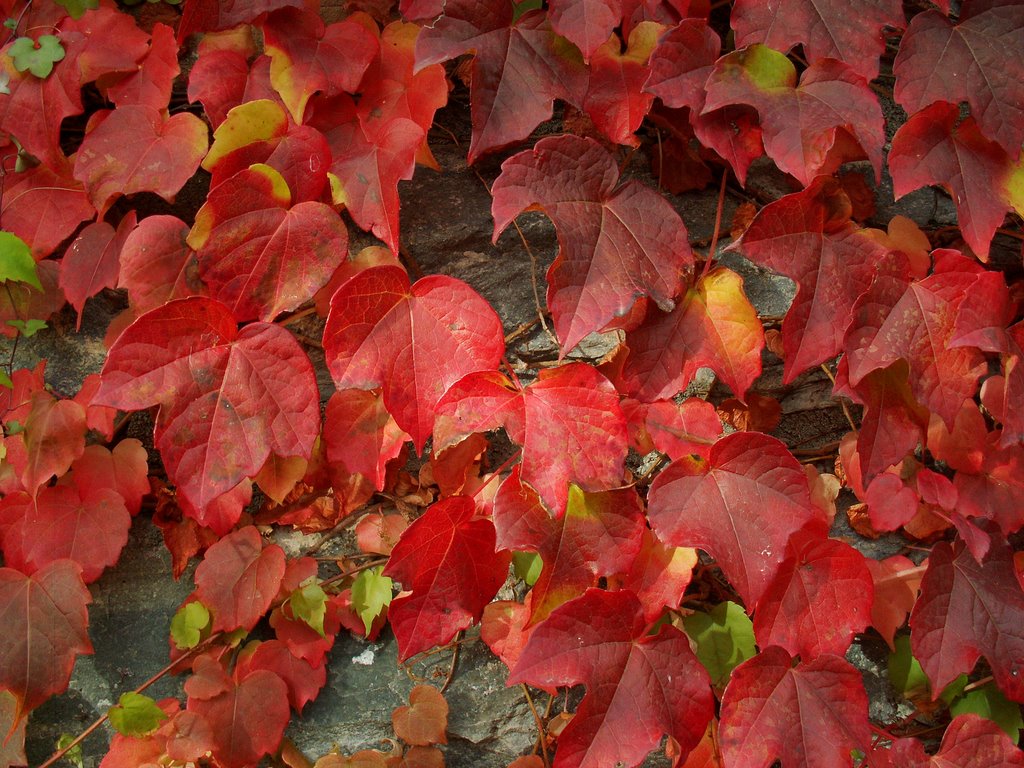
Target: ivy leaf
x,y
599,535
304,680
157,266
968,742
247,718
447,563
135,715
151,84
37,56
424,721
989,702
28,328
852,32
968,609
813,714
360,436
44,208
252,391
309,603
969,61
568,422
308,57
587,23
162,156
713,325
807,127
77,8
639,686
808,237
894,596
616,242
740,505
939,325
45,620
659,575
215,16
675,429
239,579
91,263
935,147
16,262
724,638
371,595
821,595
260,254
519,68
189,624
414,341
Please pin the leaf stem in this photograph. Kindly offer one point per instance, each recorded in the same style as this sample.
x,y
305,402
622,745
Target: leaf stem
x,y
540,726
718,225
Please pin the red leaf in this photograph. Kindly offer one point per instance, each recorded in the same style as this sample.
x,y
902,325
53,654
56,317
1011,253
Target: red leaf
x,y
90,528
675,429
260,254
91,262
615,98
124,470
217,15
682,62
568,422
308,57
639,686
425,720
938,325
740,505
103,41
587,23
809,237
157,266
217,80
21,300
162,155
227,398
33,109
970,741
616,242
519,68
820,596
304,681
713,325
807,128
360,435
850,31
968,609
598,536
970,61
54,437
812,715
302,640
239,578
43,208
895,594
247,718
151,85
44,618
659,575
503,628
414,341
368,163
446,559
935,147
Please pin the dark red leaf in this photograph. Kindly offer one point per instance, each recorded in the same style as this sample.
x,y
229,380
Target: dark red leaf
x,y
157,266
850,31
615,99
217,80
217,15
151,85
304,681
968,609
91,262
682,62
639,686
446,562
44,618
970,741
519,68
616,242
587,23
970,61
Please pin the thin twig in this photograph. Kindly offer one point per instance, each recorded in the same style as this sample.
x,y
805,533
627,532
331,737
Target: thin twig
x,y
842,401
718,224
455,658
540,724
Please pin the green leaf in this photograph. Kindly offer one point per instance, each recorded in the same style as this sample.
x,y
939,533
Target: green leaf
x,y
5,381
309,603
527,566
988,701
136,715
27,328
16,262
724,638
189,625
73,755
77,8
371,594
905,672
38,57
